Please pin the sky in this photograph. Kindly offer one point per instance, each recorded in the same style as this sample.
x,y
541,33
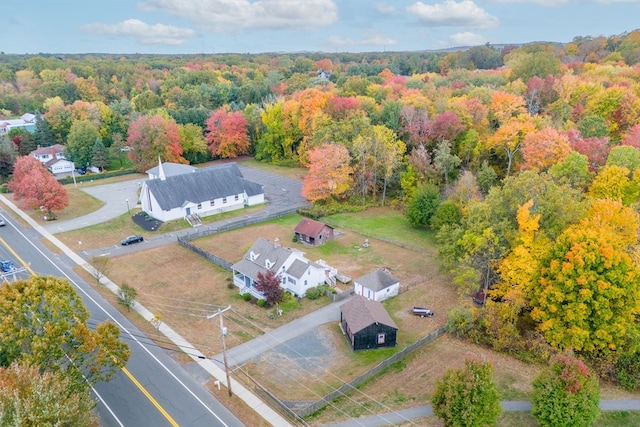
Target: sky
x,y
256,26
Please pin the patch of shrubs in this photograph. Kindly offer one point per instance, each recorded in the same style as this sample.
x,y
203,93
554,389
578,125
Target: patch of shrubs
x,y
261,303
246,296
313,293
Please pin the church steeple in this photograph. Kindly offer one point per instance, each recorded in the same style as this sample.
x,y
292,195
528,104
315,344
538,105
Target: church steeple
x,y
160,170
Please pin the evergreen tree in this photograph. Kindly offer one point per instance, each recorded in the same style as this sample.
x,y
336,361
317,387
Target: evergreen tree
x,y
100,157
42,135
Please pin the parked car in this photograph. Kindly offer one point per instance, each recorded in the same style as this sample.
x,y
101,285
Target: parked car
x,y
6,266
2,223
131,239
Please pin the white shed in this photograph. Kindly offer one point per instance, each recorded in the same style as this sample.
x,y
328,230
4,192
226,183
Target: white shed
x,y
378,285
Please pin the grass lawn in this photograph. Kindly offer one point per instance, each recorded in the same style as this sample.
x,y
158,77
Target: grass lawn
x,y
385,224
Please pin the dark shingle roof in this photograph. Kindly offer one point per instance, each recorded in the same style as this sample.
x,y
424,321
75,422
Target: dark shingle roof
x,y
377,280
201,186
309,227
361,312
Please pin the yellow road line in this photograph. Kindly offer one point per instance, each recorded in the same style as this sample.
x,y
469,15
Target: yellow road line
x,y
18,257
151,399
125,370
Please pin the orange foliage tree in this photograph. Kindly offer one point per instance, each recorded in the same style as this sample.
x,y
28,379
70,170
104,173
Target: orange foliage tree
x,y
151,137
544,148
329,173
35,187
509,138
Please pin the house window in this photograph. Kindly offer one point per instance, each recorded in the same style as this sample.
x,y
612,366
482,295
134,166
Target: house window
x,y
213,203
236,198
381,338
305,283
224,200
199,206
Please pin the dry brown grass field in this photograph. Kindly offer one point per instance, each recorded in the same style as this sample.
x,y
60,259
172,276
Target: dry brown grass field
x,y
183,288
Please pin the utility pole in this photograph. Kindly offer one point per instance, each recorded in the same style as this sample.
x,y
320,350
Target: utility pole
x,y
223,332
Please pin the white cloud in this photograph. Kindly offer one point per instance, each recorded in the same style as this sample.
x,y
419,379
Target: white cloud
x,y
230,16
549,3
453,14
143,32
466,39
384,8
368,40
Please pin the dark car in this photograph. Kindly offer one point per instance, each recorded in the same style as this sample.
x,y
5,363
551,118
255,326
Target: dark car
x,y
7,266
131,239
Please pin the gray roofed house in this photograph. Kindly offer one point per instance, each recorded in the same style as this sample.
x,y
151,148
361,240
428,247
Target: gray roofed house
x,y
201,192
377,285
298,274
367,324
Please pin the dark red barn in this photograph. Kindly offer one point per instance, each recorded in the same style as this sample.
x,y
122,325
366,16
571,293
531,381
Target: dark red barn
x,y
312,232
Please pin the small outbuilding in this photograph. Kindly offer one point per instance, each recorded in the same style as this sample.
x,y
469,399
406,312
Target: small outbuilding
x,y
378,285
367,325
312,232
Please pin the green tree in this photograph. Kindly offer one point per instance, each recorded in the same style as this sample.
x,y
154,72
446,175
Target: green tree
x,y
80,143
487,177
424,204
532,60
29,397
193,143
467,397
566,394
447,213
44,322
445,162
573,171
593,126
127,296
624,156
42,135
99,155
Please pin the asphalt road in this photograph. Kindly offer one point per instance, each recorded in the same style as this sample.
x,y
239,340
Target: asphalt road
x,y
153,390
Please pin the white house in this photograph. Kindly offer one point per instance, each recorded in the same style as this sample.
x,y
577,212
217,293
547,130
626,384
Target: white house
x,y
52,158
27,121
377,285
60,166
199,192
298,273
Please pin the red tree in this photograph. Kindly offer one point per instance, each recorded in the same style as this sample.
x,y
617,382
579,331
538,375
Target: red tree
x,y
632,137
269,284
35,187
446,127
153,137
596,149
227,134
